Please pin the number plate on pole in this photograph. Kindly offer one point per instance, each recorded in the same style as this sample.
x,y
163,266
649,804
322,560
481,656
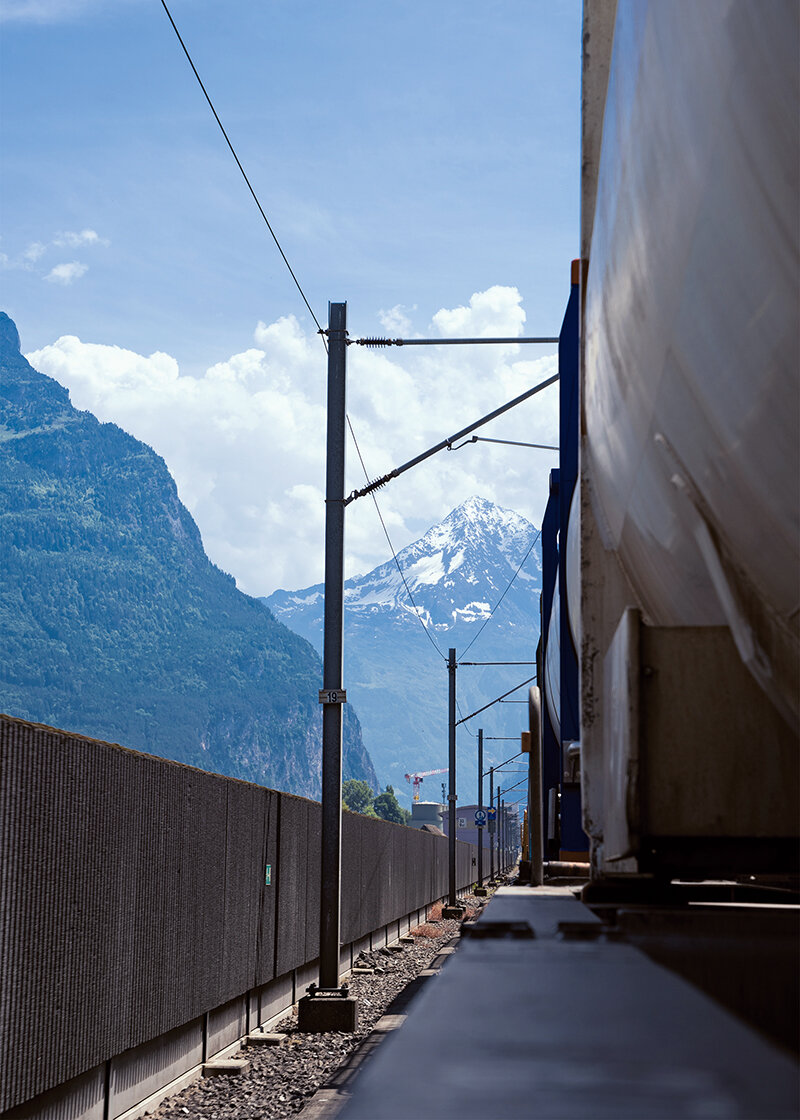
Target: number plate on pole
x,y
333,696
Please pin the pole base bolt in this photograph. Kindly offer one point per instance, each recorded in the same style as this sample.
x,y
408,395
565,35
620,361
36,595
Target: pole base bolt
x,y
314,990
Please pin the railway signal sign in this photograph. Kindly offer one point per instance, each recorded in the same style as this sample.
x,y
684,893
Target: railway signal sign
x,y
333,696
491,814
480,818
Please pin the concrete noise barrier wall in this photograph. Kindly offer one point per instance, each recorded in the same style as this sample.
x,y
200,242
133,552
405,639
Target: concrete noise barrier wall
x,y
138,894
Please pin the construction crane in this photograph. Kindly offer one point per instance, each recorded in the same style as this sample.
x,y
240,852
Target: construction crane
x,y
416,779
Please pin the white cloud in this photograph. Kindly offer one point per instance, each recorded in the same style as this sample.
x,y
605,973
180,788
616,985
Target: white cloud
x,y
42,11
67,273
35,250
492,312
62,273
245,442
395,321
73,240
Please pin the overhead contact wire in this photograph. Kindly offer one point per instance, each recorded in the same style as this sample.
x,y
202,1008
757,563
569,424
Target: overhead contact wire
x,y
391,547
244,173
474,734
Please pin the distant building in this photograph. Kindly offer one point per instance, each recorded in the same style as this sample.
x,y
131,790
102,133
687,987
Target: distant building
x,y
467,830
426,812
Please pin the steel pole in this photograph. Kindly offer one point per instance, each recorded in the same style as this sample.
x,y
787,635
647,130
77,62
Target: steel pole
x,y
330,896
500,834
504,836
451,732
499,820
493,829
507,836
480,805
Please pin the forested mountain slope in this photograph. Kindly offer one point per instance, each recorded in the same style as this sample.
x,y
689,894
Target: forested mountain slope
x,y
116,624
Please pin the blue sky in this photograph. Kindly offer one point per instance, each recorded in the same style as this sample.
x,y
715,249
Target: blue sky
x,y
419,160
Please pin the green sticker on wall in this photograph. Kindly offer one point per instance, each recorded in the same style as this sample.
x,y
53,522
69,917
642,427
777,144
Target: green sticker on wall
x,y
268,876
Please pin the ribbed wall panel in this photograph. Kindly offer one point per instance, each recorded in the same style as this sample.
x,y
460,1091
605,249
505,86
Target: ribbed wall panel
x,y
352,896
133,897
313,855
292,843
376,872
398,859
266,809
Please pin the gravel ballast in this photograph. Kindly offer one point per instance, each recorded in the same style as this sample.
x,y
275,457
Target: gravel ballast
x,y
281,1079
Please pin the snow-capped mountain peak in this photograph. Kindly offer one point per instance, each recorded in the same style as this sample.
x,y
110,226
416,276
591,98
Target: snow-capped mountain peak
x,y
454,568
456,574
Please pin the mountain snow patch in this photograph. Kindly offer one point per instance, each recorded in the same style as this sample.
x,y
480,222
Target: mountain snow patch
x,y
427,570
472,612
456,562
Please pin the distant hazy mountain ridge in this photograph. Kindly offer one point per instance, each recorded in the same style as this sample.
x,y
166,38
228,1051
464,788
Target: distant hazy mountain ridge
x,y
114,621
456,573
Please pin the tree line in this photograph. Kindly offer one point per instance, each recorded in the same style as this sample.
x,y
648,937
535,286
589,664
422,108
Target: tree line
x,y
358,796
